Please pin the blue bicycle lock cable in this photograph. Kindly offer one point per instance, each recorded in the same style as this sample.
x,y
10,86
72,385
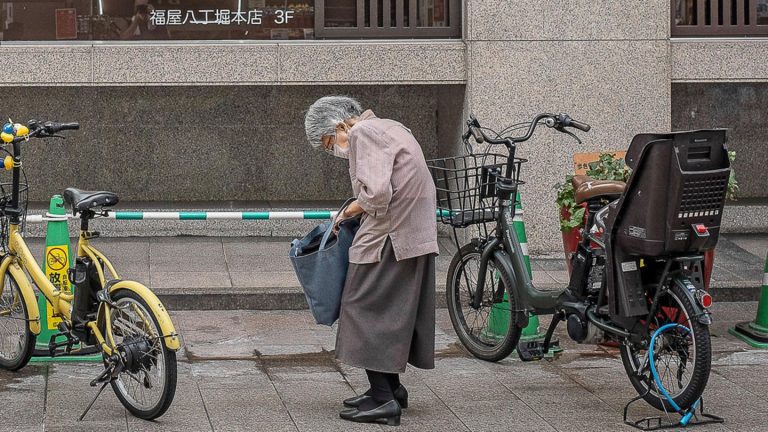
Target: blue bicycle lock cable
x,y
687,416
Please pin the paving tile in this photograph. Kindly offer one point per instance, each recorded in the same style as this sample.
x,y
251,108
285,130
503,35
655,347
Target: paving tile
x,y
258,246
229,375
430,416
73,376
724,398
747,377
255,263
208,335
752,243
64,407
22,398
186,249
470,389
180,263
316,406
230,407
291,380
189,280
133,249
262,279
188,412
83,426
498,415
250,334
749,357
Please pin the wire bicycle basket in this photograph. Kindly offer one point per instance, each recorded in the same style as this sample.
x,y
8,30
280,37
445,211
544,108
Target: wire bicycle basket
x,y
466,186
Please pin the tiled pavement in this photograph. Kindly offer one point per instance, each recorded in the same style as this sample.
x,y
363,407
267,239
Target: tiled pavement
x,y
274,371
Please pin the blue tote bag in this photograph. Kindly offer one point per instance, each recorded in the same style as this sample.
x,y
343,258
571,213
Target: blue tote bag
x,y
321,260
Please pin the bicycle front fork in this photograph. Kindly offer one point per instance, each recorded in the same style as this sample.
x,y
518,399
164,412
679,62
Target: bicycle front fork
x,y
485,256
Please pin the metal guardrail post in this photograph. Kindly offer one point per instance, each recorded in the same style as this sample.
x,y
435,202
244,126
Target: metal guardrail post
x,y
755,333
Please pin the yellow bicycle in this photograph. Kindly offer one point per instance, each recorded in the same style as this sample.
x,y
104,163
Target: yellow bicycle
x,y
123,319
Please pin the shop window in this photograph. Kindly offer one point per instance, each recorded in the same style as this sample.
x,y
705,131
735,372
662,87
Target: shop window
x,y
157,20
111,20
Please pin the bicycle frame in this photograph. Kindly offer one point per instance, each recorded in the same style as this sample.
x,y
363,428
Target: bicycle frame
x,y
511,256
528,297
168,331
21,262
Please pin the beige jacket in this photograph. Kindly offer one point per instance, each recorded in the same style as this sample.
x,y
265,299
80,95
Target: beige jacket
x,y
392,184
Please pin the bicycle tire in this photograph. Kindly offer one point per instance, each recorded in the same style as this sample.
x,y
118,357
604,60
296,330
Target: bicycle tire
x,y
686,397
26,337
121,389
457,296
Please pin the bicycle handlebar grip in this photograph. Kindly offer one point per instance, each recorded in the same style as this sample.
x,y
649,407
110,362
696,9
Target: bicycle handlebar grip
x,y
580,126
70,126
476,133
53,127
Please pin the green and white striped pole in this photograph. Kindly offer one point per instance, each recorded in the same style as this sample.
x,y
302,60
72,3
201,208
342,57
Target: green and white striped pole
x,y
755,333
208,215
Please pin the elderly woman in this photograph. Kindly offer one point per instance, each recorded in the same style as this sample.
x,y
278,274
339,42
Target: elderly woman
x,y
388,306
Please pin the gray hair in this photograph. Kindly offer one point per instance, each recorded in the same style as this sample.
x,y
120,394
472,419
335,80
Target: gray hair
x,y
327,112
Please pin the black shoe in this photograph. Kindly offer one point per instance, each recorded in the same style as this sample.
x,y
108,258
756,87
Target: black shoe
x,y
401,395
388,412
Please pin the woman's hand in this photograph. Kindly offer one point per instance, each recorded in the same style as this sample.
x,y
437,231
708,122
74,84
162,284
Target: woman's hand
x,y
352,210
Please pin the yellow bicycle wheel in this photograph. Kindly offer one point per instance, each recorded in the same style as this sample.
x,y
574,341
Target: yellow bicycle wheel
x,y
17,342
147,383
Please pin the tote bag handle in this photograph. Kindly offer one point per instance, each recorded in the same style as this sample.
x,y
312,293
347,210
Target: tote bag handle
x,y
329,231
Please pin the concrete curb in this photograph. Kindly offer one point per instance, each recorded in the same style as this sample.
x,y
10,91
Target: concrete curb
x,y
281,298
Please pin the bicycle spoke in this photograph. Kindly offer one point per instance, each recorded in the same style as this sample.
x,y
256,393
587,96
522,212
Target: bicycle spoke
x,y
13,322
144,387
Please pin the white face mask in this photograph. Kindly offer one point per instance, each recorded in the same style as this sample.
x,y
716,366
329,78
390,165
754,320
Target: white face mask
x,y
341,152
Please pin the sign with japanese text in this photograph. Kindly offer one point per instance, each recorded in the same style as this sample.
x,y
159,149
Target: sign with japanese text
x,y
581,161
172,17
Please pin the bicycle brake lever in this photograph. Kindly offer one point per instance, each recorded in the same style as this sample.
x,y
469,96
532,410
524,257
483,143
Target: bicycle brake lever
x,y
566,131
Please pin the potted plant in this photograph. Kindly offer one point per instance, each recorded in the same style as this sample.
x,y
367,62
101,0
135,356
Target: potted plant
x,y
573,215
730,195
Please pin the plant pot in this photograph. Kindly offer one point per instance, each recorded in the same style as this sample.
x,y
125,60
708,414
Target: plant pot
x,y
571,239
709,262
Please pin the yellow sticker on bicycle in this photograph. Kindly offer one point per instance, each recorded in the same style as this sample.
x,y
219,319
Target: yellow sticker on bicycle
x,y
56,268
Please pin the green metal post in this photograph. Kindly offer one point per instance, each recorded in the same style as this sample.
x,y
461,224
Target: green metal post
x,y
498,319
755,333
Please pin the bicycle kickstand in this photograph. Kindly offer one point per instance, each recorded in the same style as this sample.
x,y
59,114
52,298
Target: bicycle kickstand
x,y
104,378
93,401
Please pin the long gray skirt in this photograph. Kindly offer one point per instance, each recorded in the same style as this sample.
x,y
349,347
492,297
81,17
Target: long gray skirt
x,y
388,314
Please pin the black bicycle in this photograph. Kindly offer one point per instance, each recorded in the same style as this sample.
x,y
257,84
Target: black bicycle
x,y
637,275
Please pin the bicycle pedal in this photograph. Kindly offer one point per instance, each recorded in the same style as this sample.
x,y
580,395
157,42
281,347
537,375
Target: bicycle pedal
x,y
70,341
534,350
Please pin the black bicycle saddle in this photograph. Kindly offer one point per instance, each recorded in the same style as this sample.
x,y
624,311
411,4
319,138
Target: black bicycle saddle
x,y
81,200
